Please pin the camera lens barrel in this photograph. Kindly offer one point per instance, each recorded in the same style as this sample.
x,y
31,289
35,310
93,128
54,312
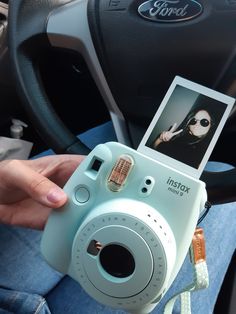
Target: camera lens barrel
x,y
123,255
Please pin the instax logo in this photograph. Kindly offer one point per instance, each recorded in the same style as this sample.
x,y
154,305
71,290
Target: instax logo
x,y
177,187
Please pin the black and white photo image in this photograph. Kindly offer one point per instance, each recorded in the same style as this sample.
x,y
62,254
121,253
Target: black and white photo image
x,y
186,126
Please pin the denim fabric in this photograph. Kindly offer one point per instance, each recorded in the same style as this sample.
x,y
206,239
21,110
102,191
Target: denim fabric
x,y
21,266
26,281
220,233
22,303
24,275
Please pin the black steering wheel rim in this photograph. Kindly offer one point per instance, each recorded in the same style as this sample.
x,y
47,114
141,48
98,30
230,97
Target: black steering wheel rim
x,y
25,43
27,33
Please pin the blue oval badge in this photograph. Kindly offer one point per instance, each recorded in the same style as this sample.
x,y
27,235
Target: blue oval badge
x,y
170,10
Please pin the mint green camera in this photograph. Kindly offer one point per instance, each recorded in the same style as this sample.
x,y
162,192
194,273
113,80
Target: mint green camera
x,y
126,228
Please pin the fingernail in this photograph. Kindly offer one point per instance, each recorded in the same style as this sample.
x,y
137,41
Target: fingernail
x,y
55,195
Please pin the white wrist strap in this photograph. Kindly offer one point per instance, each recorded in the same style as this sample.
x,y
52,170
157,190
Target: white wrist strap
x,y
201,278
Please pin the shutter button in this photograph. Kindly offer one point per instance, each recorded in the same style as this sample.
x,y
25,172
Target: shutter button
x,y
82,194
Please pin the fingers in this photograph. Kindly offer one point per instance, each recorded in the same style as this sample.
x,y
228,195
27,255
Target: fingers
x,y
19,176
27,214
177,132
173,128
29,189
166,136
57,167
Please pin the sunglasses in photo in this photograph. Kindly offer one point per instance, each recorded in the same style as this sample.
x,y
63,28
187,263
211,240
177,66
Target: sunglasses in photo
x,y
203,122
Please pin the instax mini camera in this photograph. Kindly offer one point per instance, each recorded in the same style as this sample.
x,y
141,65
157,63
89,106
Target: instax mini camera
x,y
126,228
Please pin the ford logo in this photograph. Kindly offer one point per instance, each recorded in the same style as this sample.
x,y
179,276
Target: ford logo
x,y
170,10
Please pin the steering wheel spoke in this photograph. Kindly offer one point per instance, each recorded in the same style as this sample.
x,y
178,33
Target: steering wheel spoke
x,y
68,28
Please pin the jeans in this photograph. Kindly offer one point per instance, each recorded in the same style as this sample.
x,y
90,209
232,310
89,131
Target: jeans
x,y
29,285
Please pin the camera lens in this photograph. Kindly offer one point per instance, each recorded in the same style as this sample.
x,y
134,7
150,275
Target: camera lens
x,y
117,261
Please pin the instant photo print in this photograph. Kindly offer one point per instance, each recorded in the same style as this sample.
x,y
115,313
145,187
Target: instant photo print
x,y
186,126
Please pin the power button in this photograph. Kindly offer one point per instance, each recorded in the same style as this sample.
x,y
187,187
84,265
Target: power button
x,y
82,194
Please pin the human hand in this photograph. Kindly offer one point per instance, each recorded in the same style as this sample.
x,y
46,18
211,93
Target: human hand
x,y
29,189
166,136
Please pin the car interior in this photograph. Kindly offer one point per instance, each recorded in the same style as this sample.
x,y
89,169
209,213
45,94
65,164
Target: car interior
x,y
51,79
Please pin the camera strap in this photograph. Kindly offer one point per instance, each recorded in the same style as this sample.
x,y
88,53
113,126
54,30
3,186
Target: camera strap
x,y
201,279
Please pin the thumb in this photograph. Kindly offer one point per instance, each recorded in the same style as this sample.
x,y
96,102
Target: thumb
x,y
34,184
45,191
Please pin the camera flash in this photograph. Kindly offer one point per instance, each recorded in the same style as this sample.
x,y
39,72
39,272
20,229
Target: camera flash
x,y
120,173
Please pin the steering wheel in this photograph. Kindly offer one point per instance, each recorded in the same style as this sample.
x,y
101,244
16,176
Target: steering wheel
x,y
129,55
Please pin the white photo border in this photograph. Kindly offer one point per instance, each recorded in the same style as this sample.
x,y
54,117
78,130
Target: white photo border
x,y
169,161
